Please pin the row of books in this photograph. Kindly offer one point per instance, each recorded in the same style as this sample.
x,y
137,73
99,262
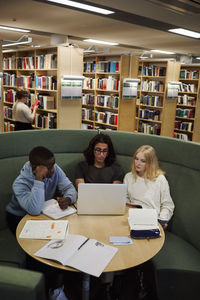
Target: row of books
x,y
107,66
9,62
89,83
152,86
47,121
153,70
101,66
9,95
183,125
47,61
150,114
151,100
45,101
110,83
149,128
8,126
189,88
186,100
9,79
25,81
87,114
25,62
88,99
185,113
106,117
188,74
46,82
109,101
8,112
181,136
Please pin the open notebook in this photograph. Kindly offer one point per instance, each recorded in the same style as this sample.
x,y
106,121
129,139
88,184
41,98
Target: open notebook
x,y
101,199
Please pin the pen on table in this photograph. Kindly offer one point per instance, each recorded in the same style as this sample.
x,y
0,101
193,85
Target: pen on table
x,y
74,206
83,244
38,219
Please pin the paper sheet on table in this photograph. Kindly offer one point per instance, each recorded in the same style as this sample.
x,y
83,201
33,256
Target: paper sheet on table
x,y
52,209
44,229
142,219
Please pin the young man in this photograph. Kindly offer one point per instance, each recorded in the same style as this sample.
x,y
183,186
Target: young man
x,y
38,180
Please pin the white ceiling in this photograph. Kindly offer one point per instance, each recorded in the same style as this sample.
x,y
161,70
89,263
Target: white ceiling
x,y
137,25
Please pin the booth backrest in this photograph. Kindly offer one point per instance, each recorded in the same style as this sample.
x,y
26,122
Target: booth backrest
x,y
180,160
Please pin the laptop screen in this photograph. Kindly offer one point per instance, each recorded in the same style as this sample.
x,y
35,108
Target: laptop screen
x,y
101,199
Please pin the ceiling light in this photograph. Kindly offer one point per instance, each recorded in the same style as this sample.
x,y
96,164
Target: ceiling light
x,y
162,51
83,6
17,43
186,32
100,42
14,29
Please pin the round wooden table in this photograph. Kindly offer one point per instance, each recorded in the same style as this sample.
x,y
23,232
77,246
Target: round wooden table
x,y
99,228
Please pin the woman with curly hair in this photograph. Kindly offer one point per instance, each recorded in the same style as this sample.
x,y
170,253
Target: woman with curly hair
x,y
100,165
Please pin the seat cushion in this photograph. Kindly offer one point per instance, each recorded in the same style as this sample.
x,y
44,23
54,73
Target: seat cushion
x,y
177,270
11,253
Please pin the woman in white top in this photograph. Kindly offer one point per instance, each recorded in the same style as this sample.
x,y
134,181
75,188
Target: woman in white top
x,y
147,185
21,112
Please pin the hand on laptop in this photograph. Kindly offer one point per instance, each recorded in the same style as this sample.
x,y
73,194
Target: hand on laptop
x,y
64,202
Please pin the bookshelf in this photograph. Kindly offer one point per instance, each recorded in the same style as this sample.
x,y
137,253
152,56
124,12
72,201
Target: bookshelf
x,y
103,106
155,114
188,105
40,71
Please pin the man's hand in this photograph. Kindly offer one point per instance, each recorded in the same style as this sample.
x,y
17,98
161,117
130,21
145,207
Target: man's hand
x,y
64,202
40,172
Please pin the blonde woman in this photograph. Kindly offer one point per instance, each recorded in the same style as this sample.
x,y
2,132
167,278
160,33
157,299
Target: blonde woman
x,y
147,185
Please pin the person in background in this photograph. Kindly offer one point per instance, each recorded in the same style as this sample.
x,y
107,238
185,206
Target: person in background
x,y
100,165
21,112
147,186
37,182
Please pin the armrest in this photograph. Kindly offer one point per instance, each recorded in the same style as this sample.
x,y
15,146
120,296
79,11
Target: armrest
x,y
21,284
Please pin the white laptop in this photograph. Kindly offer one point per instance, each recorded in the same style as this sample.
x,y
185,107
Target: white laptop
x,y
101,199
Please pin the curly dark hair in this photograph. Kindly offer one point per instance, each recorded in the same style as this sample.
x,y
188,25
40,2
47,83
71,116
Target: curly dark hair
x,y
100,138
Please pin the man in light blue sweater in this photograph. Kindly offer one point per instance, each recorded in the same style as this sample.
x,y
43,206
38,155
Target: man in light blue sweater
x,y
37,182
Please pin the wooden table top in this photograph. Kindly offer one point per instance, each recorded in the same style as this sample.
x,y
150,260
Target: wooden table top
x,y
99,228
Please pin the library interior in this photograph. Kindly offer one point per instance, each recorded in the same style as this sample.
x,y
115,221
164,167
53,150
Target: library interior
x,y
126,69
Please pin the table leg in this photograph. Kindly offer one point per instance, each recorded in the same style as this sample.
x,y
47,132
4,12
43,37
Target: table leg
x,y
86,287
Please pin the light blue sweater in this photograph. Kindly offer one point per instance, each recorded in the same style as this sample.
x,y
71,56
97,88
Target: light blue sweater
x,y
30,194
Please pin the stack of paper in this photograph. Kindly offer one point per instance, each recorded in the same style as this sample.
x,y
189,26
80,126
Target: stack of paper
x,y
44,229
52,209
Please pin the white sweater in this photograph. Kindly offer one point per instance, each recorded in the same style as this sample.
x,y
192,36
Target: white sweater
x,y
150,194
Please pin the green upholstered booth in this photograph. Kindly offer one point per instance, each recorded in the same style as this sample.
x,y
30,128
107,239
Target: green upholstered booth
x,y
177,265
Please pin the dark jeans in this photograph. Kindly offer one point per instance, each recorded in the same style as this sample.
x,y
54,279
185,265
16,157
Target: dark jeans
x,y
12,222
22,126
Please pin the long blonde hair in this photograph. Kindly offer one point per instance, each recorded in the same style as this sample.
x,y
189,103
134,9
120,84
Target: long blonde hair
x,y
152,167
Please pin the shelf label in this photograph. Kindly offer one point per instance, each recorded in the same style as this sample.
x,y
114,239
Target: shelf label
x,y
71,89
173,89
130,87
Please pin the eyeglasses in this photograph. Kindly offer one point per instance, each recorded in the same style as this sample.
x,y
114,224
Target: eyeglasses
x,y
99,151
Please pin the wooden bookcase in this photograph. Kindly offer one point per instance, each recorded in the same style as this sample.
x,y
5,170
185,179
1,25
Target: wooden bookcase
x,y
103,106
155,113
40,71
187,122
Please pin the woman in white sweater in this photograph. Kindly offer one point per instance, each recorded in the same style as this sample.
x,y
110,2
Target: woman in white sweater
x,y
147,185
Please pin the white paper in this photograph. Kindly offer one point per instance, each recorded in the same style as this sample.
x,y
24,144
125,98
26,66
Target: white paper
x,y
142,219
44,229
52,209
86,255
